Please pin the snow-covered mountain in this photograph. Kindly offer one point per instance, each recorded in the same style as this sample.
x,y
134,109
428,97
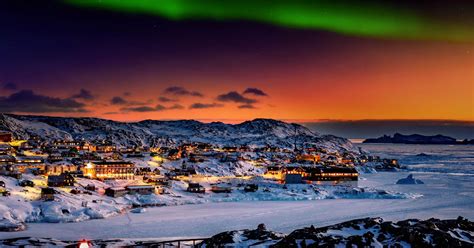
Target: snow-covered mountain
x,y
256,133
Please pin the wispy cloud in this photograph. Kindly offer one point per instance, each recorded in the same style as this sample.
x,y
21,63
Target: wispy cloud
x,y
84,95
181,91
166,99
247,106
27,101
204,105
157,108
235,97
117,100
255,91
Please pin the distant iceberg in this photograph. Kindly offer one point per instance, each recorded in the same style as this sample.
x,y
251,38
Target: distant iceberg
x,y
409,180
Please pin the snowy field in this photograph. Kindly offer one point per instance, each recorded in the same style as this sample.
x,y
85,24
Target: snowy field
x,y
447,193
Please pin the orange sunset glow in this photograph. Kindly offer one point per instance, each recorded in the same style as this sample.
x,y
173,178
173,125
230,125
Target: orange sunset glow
x,y
304,74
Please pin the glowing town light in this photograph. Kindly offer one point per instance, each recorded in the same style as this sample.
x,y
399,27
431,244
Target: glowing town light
x,y
84,244
89,165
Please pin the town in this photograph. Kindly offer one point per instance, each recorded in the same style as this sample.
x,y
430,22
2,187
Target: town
x,y
150,170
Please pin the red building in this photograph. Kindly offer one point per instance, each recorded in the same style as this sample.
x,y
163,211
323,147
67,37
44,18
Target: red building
x,y
6,136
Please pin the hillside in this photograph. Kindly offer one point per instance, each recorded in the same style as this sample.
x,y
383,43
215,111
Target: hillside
x,y
255,133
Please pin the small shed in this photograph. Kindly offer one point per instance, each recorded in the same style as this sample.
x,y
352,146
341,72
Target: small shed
x,y
47,194
221,189
62,180
196,188
141,189
115,192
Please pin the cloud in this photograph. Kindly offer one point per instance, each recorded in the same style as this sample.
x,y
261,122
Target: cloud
x,y
247,106
157,108
127,94
255,91
180,91
83,94
204,105
234,96
139,109
176,106
10,87
117,100
166,99
26,101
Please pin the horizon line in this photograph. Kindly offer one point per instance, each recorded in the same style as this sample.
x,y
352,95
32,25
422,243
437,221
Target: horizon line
x,y
230,120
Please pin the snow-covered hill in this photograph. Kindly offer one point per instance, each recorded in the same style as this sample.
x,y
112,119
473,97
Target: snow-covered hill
x,y
255,133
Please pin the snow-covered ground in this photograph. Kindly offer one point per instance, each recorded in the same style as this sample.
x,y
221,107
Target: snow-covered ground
x,y
447,193
24,204
446,196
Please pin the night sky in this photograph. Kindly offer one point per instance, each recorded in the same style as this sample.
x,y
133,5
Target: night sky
x,y
237,60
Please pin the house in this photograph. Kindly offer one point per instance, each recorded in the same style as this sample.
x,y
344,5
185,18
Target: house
x,y
331,175
115,192
135,155
90,187
26,183
24,163
55,157
162,181
303,171
62,180
7,160
10,171
293,178
47,194
28,145
195,188
5,149
174,154
104,148
274,172
185,170
141,189
59,168
251,188
66,144
29,159
6,136
103,170
229,149
4,192
308,158
221,189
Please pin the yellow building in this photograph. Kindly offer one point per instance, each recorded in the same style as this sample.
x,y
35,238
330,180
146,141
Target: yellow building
x,y
103,170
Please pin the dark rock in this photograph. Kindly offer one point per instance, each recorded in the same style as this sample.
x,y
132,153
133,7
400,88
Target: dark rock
x,y
414,139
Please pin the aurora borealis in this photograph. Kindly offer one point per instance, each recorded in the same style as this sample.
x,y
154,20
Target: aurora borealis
x,y
363,18
237,60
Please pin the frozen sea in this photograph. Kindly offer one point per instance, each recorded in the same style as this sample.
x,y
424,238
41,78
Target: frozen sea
x,y
448,192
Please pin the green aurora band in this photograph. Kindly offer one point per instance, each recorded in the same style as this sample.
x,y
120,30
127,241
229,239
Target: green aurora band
x,y
358,18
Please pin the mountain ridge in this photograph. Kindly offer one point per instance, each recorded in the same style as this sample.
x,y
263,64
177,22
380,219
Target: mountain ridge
x,y
259,132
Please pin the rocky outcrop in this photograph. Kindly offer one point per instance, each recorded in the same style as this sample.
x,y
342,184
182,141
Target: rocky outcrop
x,y
259,237
368,232
409,180
372,232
